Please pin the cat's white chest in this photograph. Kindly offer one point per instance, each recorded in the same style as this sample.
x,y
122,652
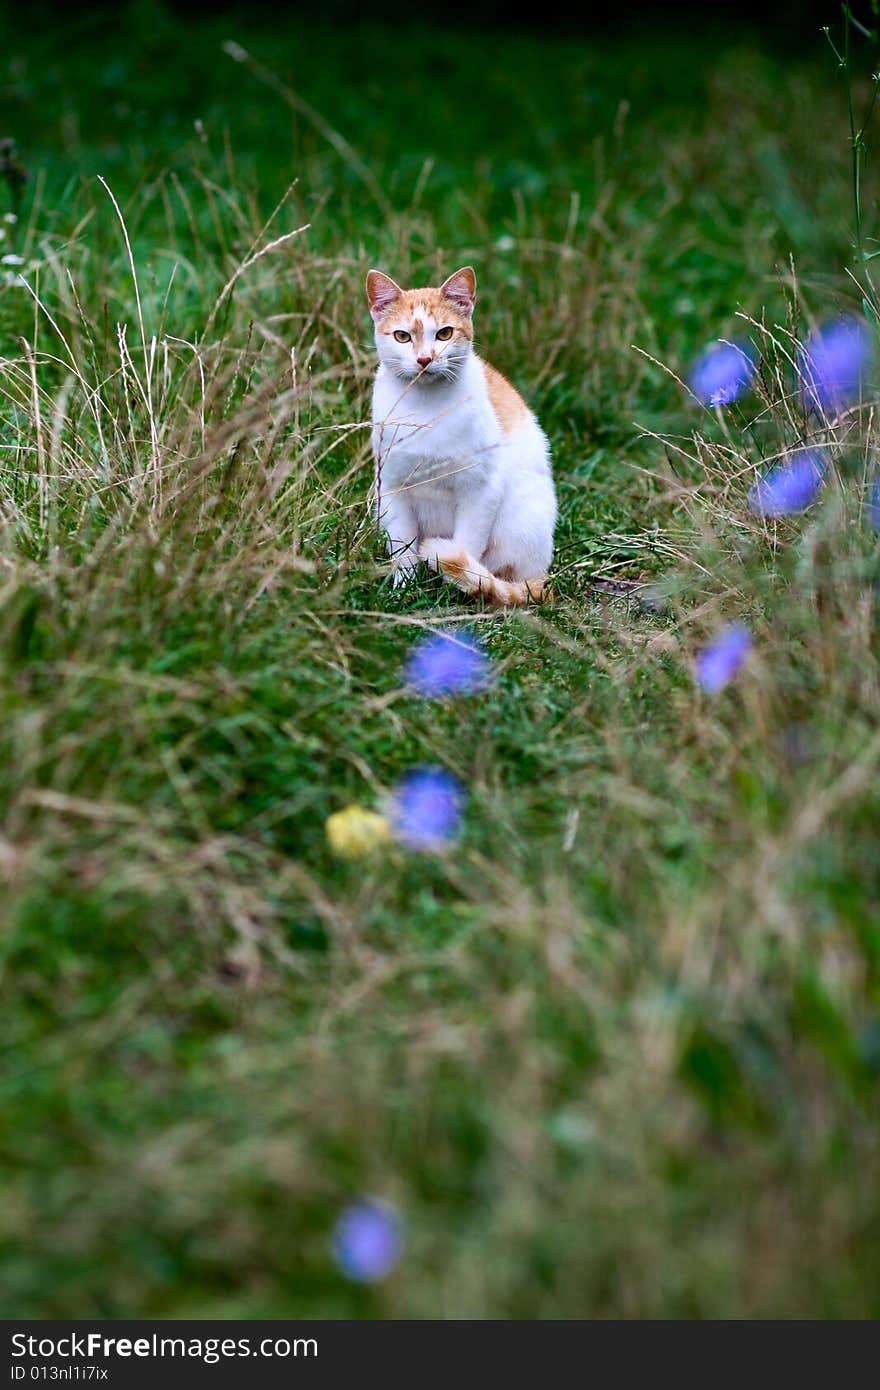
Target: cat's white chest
x,y
439,436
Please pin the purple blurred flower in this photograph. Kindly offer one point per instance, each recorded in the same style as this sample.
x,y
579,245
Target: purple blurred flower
x,y
367,1241
718,663
834,360
427,807
723,373
874,505
790,487
448,663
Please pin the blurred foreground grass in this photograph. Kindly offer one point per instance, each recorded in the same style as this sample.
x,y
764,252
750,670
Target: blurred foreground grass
x,y
617,1054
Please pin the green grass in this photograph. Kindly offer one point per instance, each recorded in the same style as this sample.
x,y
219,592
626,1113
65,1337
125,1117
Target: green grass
x,y
618,1053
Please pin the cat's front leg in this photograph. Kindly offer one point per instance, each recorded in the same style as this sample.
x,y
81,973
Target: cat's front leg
x,y
398,520
474,522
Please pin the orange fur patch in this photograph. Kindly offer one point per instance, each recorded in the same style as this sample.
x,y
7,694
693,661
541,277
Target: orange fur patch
x,y
456,567
509,406
472,577
442,310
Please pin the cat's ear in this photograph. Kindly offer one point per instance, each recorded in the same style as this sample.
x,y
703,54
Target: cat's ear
x,y
381,293
461,289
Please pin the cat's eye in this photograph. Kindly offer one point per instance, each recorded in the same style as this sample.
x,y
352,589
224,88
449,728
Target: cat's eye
x,y
401,335
443,334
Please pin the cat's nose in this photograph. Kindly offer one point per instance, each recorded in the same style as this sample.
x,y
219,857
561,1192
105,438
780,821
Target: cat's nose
x,y
424,361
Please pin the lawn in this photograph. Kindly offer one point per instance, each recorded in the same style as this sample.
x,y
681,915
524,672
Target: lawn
x,y
615,1051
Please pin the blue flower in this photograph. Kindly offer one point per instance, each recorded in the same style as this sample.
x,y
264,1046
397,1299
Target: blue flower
x,y
790,487
718,663
452,662
834,361
723,373
367,1241
874,505
426,808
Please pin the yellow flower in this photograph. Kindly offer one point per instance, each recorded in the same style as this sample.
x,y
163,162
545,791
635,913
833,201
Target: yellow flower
x,y
354,832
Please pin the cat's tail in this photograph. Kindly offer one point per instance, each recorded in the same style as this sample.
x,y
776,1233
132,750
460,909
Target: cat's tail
x,y
472,577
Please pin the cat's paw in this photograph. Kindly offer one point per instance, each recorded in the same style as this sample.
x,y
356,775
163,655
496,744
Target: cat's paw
x,y
435,549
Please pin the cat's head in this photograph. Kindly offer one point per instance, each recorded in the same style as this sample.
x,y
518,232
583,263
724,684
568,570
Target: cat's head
x,y
424,333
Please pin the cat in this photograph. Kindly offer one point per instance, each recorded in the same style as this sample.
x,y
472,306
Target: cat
x,y
463,477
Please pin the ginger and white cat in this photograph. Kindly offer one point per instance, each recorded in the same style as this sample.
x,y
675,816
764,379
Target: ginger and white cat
x,y
463,475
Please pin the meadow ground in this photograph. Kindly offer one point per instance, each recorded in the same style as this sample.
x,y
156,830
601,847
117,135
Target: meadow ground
x,y
617,1053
